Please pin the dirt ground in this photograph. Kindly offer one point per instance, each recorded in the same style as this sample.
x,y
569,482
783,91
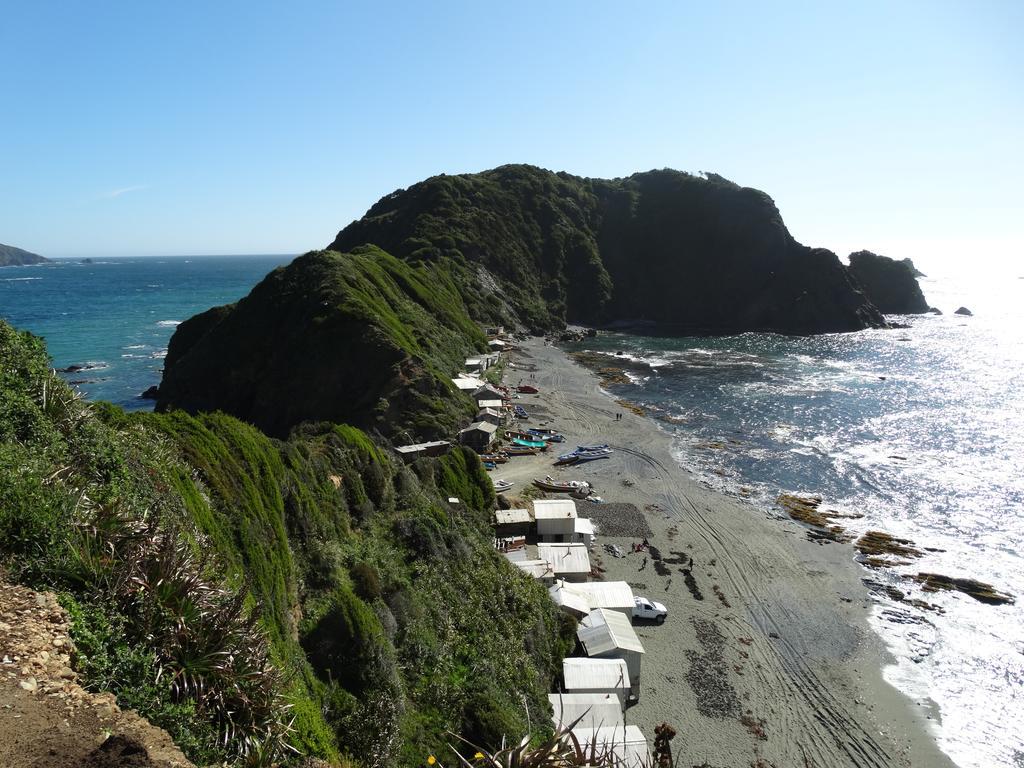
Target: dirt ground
x,y
46,719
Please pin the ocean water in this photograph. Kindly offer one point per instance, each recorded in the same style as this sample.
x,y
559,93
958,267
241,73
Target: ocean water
x,y
921,431
114,316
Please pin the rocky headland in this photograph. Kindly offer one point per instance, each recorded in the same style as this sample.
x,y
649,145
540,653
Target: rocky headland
x,y
360,338
16,257
690,254
889,284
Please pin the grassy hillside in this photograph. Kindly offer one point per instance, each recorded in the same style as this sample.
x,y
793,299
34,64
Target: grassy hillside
x,y
693,254
343,583
359,338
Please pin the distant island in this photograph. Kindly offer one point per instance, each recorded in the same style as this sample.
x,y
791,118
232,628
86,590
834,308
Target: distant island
x,y
16,257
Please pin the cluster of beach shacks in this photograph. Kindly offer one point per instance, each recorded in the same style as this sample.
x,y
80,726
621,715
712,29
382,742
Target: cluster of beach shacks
x,y
551,543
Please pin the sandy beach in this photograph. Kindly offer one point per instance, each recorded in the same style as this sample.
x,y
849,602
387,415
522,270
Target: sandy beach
x,y
766,658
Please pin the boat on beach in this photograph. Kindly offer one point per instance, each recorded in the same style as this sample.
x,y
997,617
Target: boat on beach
x,y
547,434
563,486
583,454
521,450
538,444
527,389
521,413
500,486
494,458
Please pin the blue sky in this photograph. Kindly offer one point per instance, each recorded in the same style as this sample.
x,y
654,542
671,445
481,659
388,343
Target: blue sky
x,y
245,127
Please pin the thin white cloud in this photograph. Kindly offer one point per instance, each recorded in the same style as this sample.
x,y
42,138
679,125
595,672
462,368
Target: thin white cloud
x,y
123,191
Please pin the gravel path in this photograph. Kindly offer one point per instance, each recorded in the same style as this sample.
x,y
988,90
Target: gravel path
x,y
46,719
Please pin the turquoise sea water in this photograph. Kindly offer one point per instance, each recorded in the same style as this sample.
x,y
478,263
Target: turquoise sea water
x,y
920,431
115,316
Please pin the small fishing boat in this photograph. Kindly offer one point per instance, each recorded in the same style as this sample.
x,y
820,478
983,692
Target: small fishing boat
x,y
527,389
566,486
530,443
513,434
569,458
500,486
602,447
521,412
547,434
489,465
586,454
493,458
521,450
591,456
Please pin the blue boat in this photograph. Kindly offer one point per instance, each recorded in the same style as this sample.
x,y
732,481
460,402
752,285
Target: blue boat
x,y
521,412
528,443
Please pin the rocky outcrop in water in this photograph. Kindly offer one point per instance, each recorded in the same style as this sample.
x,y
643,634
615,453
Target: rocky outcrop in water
x,y
686,253
16,257
963,311
890,285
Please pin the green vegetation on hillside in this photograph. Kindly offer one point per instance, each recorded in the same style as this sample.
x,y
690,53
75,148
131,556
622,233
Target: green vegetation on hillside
x,y
345,582
359,338
693,254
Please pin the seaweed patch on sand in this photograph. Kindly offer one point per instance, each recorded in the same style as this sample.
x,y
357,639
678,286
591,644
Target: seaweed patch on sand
x,y
708,675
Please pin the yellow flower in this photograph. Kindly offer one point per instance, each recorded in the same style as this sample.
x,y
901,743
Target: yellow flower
x,y
431,760
478,756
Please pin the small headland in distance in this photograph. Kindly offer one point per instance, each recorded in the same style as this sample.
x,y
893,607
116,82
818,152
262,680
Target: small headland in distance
x,y
889,284
17,257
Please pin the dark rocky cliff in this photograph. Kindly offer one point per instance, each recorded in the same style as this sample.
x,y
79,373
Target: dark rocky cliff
x,y
359,338
692,254
15,257
890,285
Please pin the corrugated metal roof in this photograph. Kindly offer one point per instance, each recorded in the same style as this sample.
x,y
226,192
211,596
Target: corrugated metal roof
x,y
554,509
593,709
539,569
627,743
512,516
467,383
481,426
604,631
584,526
565,558
489,404
595,674
565,597
615,595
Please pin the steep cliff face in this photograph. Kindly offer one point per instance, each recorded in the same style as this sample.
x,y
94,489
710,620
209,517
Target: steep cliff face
x,y
890,285
15,257
695,255
359,338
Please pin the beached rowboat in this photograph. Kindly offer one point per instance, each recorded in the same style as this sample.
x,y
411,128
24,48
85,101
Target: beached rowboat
x,y
539,444
566,486
521,450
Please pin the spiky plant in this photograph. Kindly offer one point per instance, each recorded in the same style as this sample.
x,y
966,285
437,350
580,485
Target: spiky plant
x,y
562,749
